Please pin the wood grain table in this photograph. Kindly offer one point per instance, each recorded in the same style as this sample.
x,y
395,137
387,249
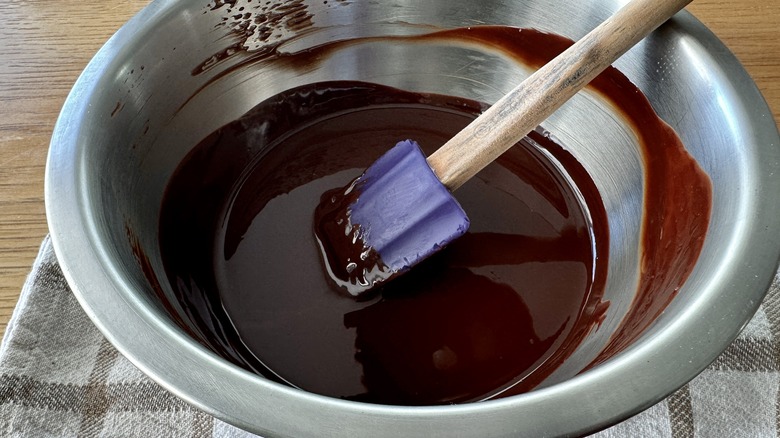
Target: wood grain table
x,y
44,45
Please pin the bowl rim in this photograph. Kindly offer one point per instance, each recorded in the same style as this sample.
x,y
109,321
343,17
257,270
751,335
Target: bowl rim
x,y
155,345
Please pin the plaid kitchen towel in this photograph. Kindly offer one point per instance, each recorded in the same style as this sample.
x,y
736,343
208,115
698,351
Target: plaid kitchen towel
x,y
60,378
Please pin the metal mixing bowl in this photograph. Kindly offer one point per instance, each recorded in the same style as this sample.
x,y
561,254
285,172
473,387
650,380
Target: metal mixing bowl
x,y
137,110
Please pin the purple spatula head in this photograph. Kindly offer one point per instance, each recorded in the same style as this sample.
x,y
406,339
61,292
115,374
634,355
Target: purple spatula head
x,y
387,220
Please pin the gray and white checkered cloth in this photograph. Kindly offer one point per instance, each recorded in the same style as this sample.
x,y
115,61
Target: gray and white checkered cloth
x,y
59,377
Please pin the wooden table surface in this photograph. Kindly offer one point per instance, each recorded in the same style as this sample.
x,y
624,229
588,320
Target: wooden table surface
x,y
44,45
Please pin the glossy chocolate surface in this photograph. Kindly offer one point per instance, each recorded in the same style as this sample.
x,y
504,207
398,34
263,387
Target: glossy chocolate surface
x,y
474,319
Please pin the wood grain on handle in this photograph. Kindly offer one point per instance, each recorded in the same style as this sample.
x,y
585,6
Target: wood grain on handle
x,y
527,105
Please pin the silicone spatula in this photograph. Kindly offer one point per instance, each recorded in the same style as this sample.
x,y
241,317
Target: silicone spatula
x,y
401,210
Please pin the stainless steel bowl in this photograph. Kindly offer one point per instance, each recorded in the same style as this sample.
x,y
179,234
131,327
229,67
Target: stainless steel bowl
x,y
137,110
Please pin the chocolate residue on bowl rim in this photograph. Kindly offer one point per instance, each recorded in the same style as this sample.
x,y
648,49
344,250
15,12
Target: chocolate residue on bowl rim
x,y
256,27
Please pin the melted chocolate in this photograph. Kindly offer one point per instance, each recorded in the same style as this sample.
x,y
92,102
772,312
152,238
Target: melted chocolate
x,y
495,313
350,263
470,322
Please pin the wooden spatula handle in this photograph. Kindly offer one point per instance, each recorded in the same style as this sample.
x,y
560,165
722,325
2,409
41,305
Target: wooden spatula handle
x,y
531,102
